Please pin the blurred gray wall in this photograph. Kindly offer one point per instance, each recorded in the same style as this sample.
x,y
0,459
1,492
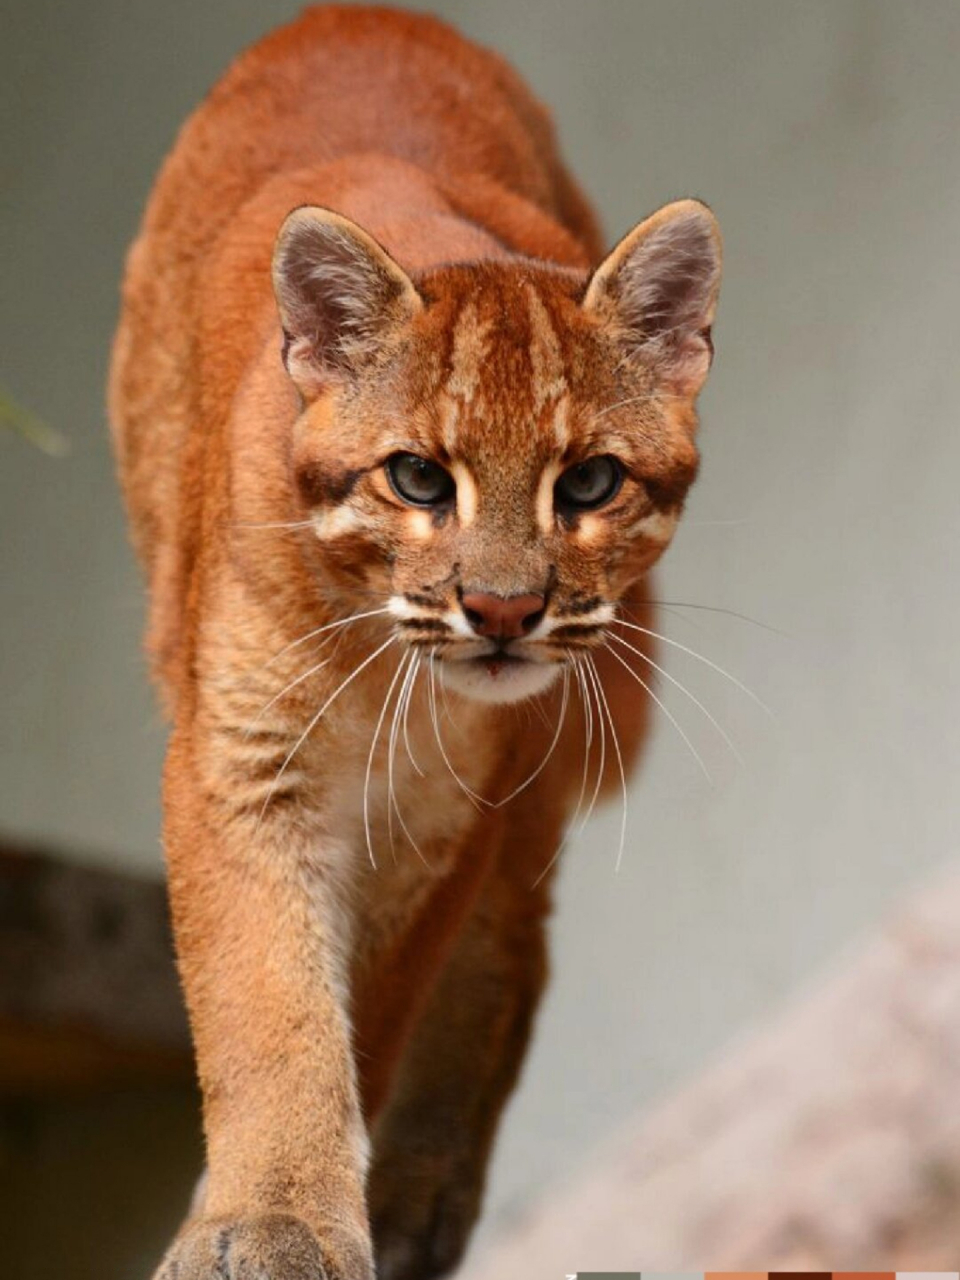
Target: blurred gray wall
x,y
827,138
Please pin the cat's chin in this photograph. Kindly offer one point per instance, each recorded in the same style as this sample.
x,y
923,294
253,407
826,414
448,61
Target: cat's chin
x,y
492,681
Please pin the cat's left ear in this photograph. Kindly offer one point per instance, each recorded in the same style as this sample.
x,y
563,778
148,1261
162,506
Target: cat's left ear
x,y
341,297
658,291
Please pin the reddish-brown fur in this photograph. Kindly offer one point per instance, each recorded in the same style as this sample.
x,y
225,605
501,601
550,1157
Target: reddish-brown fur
x,y
351,971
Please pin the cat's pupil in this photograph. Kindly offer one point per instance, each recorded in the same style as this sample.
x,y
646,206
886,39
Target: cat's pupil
x,y
589,483
418,480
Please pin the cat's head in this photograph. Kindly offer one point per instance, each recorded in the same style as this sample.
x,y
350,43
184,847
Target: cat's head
x,y
499,450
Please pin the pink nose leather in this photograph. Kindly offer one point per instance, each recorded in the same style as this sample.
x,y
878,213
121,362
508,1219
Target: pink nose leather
x,y
506,617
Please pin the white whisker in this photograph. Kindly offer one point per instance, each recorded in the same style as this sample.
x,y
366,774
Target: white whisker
x,y
330,626
280,524
598,685
550,750
601,766
392,804
715,608
684,690
316,720
641,399
535,705
443,698
373,747
406,713
587,738
666,711
587,702
477,800
588,741
700,658
305,675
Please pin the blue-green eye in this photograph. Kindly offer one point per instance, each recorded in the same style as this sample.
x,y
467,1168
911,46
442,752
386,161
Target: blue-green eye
x,y
589,484
419,481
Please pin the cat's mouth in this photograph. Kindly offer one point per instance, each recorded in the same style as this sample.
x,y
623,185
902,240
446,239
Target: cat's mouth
x,y
500,674
503,668
500,660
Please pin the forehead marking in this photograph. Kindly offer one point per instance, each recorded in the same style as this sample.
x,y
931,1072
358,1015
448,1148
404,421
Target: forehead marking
x,y
546,354
450,419
467,495
468,351
561,423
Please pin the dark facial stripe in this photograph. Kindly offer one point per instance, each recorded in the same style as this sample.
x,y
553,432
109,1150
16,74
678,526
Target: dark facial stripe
x,y
573,631
576,607
321,485
425,602
436,625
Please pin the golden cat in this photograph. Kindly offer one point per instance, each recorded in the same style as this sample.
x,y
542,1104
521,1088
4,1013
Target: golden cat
x,y
397,454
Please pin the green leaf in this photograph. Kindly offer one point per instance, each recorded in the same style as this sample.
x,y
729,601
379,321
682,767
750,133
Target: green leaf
x,y
16,418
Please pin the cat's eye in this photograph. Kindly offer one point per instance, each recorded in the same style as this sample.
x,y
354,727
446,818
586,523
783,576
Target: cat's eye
x,y
419,481
589,484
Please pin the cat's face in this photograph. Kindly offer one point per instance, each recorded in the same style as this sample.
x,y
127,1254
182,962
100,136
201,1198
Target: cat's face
x,y
497,452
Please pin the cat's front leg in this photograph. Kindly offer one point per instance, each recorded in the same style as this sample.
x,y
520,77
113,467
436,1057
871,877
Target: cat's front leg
x,y
433,1141
256,926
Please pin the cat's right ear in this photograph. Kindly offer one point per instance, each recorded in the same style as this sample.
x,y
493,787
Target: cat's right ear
x,y
657,291
341,296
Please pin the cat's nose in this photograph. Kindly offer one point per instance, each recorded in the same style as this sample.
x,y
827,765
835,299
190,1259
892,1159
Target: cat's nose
x,y
507,617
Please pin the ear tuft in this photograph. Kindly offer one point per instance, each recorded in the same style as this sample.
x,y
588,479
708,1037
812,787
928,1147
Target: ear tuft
x,y
658,289
340,297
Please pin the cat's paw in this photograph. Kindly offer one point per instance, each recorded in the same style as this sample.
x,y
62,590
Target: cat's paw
x,y
269,1246
423,1239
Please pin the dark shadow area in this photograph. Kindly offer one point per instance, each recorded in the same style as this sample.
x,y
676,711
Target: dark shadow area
x,y
93,1187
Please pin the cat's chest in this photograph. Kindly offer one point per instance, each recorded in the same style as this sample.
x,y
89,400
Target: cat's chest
x,y
414,797
409,784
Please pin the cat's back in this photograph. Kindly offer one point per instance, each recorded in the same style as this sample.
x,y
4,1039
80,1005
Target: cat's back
x,y
344,81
